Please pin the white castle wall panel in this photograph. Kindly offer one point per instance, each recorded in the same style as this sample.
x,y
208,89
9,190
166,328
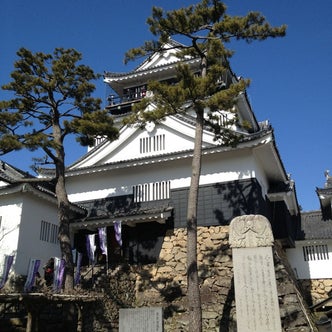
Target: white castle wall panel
x,y
121,181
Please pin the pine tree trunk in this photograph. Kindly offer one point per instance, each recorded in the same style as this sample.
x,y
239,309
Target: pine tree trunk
x,y
64,233
194,299
63,210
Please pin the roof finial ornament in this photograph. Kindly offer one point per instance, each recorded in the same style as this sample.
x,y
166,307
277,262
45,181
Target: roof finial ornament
x,y
327,174
328,182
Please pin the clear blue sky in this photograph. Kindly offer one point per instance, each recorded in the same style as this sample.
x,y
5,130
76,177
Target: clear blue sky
x,y
291,77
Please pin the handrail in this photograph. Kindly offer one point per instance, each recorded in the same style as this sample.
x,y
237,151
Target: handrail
x,y
126,98
321,303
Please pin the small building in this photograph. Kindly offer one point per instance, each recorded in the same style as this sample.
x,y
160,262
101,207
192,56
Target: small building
x,y
29,224
28,219
311,258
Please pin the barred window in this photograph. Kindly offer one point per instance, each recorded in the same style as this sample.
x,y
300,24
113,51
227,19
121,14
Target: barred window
x,y
152,191
315,252
152,143
99,139
49,232
223,119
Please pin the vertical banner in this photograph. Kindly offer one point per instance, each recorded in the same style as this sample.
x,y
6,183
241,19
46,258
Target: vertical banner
x,y
32,270
103,240
91,247
8,261
77,278
59,268
117,229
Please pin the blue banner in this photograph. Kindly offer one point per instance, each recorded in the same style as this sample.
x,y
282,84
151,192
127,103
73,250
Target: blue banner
x,y
91,247
32,271
8,261
59,268
103,240
118,235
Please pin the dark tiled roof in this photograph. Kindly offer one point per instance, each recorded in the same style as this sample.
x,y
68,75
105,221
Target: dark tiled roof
x,y
10,174
324,191
174,44
16,178
122,206
13,176
313,226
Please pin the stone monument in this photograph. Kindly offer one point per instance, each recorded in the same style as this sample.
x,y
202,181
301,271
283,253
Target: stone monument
x,y
141,320
256,298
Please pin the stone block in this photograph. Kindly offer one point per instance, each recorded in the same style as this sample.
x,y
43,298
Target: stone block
x,y
141,320
256,297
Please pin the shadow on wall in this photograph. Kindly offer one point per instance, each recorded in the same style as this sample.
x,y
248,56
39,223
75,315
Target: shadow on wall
x,y
238,198
227,324
168,289
142,244
217,282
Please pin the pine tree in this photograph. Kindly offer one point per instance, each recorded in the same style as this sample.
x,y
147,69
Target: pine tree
x,y
207,30
53,99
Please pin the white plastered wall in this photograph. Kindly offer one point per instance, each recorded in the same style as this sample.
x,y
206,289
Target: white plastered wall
x,y
30,245
21,216
10,212
313,268
232,166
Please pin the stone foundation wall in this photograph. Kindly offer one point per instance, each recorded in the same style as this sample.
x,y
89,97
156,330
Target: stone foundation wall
x,y
316,290
164,284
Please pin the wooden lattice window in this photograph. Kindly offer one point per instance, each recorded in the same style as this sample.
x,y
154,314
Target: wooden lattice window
x,y
49,232
152,191
315,252
152,143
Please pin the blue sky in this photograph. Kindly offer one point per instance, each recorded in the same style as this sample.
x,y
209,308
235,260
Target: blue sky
x,y
291,77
